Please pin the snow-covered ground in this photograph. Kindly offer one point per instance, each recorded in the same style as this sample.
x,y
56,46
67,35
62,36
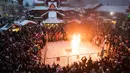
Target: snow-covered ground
x,y
58,49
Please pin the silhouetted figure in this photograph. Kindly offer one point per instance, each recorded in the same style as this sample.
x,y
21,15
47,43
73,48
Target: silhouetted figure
x,y
84,59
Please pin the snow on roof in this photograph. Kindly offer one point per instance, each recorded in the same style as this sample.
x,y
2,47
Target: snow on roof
x,y
91,6
115,2
46,8
40,8
37,1
119,9
53,20
65,8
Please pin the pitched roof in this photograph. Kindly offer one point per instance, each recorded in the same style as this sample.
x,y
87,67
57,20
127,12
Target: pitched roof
x,y
118,9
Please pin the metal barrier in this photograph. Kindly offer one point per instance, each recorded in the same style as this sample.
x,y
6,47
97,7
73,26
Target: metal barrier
x,y
65,60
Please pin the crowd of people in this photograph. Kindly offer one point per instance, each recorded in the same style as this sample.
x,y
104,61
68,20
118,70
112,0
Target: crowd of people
x,y
20,51
55,32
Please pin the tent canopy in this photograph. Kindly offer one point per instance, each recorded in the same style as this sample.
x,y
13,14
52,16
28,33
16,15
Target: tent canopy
x,y
53,20
5,27
8,26
24,22
17,24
